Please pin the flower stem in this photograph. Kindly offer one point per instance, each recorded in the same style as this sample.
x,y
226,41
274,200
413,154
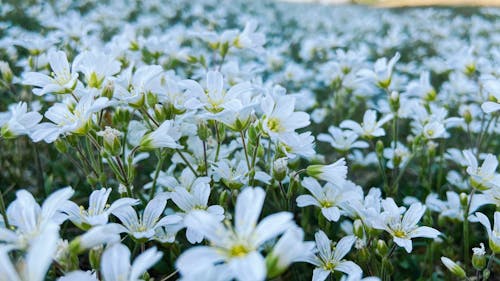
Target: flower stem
x,y
466,230
245,150
157,172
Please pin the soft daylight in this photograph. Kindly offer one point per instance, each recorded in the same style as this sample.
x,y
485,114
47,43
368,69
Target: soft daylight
x,y
249,140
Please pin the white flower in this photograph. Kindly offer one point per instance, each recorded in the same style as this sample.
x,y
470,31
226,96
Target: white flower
x,y
36,262
434,130
294,144
195,199
328,198
280,117
493,234
492,87
398,152
452,208
331,260
96,67
381,73
166,135
143,227
370,127
109,135
251,39
335,173
235,249
21,122
214,98
66,119
115,264
130,88
342,140
404,228
289,248
63,79
28,219
98,210
484,177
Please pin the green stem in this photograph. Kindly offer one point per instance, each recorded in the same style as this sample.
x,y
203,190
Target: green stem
x,y
217,151
186,162
466,230
157,172
245,150
3,211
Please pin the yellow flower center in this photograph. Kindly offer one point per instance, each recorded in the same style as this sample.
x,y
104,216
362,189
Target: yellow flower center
x,y
238,251
274,124
399,233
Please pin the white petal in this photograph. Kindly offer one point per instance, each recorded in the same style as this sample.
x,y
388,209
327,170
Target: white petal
x,y
153,211
320,274
307,200
405,243
248,208
331,214
349,268
197,259
143,262
272,226
251,267
425,231
115,263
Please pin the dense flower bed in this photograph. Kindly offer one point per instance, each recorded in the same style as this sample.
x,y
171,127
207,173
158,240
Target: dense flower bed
x,y
248,140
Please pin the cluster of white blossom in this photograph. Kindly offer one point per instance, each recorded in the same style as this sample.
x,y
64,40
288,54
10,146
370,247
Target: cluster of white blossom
x,y
215,139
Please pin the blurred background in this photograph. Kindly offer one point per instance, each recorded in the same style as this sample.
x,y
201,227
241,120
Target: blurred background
x,y
407,3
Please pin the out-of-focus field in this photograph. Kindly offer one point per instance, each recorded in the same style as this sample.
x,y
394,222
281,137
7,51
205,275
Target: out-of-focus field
x,y
402,3
408,3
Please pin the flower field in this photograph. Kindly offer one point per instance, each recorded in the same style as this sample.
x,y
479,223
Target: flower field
x,y
248,140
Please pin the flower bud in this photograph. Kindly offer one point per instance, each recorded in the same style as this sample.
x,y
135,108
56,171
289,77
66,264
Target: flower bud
x,y
479,258
61,146
454,268
394,101
431,95
464,199
6,72
111,140
95,257
467,116
379,148
280,169
382,248
108,90
358,228
224,195
203,131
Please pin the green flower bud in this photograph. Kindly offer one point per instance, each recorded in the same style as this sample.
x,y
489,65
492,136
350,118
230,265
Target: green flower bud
x,y
6,72
379,148
382,248
95,257
108,90
394,101
358,228
467,116
280,169
203,131
454,268
61,145
479,258
111,140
